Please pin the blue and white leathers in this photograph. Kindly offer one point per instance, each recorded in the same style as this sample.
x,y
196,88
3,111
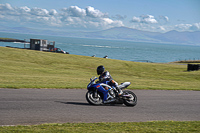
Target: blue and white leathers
x,y
104,91
99,87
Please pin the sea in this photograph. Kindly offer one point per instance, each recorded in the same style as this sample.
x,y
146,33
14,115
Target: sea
x,y
114,49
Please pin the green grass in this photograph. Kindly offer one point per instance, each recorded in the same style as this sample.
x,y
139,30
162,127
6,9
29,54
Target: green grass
x,y
21,68
6,38
124,127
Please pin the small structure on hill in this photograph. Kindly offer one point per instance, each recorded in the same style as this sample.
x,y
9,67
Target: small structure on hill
x,y
193,67
41,45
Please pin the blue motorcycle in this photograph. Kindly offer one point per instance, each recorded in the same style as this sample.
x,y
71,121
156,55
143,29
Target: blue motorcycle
x,y
97,94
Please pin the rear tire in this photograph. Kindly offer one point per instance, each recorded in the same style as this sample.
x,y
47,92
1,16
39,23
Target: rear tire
x,y
131,100
93,100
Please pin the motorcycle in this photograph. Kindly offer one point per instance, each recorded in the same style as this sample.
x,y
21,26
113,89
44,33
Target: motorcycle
x,y
98,95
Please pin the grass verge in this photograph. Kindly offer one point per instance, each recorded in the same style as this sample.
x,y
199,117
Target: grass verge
x,y
188,61
21,68
124,127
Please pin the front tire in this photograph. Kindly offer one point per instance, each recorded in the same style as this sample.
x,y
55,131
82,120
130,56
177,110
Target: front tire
x,y
131,99
93,100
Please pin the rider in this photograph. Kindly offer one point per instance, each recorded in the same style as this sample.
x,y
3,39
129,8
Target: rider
x,y
105,76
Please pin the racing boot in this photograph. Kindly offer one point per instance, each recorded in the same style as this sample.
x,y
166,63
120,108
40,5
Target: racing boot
x,y
120,92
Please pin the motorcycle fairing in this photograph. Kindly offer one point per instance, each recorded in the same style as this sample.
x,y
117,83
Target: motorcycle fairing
x,y
100,89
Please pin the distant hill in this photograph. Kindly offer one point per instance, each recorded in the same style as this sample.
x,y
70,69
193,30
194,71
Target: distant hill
x,y
124,33
180,37
119,33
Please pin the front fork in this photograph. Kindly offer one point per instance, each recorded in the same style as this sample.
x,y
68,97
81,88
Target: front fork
x,y
95,94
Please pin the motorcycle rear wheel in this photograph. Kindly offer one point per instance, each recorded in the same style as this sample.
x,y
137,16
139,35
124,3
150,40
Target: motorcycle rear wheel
x,y
93,100
131,99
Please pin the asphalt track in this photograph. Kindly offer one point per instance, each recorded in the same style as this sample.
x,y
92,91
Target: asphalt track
x,y
37,106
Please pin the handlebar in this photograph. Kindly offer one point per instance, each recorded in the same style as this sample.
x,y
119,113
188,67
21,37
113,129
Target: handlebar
x,y
93,79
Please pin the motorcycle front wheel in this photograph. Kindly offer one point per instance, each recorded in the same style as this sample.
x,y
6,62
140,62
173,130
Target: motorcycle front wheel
x,y
92,99
130,98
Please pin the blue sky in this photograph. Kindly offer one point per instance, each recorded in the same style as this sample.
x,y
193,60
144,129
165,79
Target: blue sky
x,y
95,15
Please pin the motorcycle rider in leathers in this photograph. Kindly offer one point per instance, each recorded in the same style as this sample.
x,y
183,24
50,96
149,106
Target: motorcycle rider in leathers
x,y
105,76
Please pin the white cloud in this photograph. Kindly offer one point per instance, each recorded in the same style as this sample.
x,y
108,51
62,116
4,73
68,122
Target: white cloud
x,y
150,23
162,28
39,12
91,12
165,18
188,27
75,11
107,22
118,23
195,27
88,18
146,23
72,16
24,9
166,28
5,7
53,12
135,19
148,19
